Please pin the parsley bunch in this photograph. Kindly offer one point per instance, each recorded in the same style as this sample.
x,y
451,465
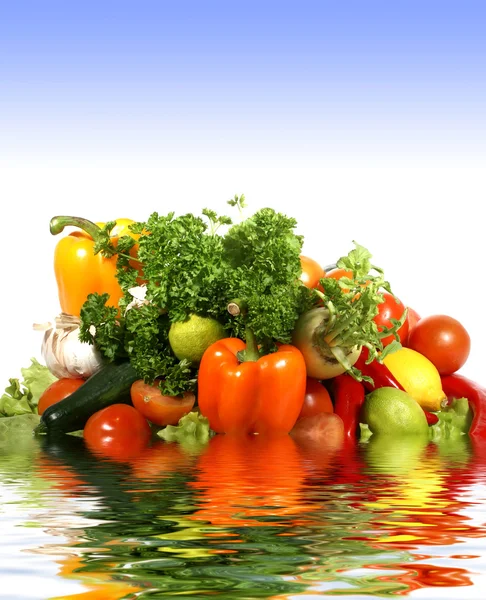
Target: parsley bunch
x,y
190,268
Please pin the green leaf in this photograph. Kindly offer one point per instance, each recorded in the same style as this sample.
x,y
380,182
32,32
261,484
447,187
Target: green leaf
x,y
22,397
454,421
37,378
191,431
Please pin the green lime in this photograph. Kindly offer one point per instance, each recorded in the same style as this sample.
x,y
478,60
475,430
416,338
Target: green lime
x,y
190,339
393,412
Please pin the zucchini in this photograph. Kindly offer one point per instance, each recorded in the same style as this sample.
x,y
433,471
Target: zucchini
x,y
110,385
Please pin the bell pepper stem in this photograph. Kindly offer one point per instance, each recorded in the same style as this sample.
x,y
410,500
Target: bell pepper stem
x,y
250,353
58,224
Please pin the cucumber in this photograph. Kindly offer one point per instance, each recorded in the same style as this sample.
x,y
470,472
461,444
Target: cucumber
x,y
110,385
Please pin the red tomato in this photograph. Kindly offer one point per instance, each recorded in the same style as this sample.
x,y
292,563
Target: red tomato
x,y
60,389
311,272
443,340
118,431
161,410
413,318
317,399
391,309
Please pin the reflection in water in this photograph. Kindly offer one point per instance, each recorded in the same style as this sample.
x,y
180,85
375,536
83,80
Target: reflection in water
x,y
249,518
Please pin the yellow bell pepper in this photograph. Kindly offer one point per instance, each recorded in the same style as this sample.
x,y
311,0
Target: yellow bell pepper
x,y
78,270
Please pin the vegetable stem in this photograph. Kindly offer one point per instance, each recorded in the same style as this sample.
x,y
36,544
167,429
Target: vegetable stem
x,y
250,353
340,356
58,224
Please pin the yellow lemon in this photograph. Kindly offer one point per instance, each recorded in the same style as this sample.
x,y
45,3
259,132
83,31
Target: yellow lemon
x,y
418,376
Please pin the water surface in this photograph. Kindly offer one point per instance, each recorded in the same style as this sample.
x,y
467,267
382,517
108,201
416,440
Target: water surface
x,y
247,519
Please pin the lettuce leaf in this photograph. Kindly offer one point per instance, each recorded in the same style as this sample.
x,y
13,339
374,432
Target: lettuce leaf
x,y
454,421
22,397
192,430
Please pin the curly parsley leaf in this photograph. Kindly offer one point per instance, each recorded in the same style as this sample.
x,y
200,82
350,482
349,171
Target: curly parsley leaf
x,y
183,266
263,254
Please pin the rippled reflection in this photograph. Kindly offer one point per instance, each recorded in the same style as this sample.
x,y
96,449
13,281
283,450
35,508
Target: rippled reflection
x,y
243,518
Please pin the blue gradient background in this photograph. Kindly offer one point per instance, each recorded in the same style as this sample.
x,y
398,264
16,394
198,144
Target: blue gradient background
x,y
300,80
364,120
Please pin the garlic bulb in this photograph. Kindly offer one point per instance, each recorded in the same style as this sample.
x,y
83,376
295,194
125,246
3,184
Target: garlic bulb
x,y
65,355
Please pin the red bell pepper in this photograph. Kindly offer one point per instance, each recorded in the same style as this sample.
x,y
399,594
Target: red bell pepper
x,y
241,393
458,386
349,396
383,377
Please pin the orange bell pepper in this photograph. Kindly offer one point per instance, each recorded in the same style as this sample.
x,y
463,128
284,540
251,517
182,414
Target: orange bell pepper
x,y
78,270
258,395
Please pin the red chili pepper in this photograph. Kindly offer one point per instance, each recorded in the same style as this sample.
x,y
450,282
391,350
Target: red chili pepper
x,y
349,396
458,386
380,373
432,418
383,377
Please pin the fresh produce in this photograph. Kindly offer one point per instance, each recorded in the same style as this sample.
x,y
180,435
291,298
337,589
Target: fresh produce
x,y
118,431
22,397
159,409
316,400
378,375
413,318
458,386
349,396
325,357
453,421
107,386
331,337
57,391
240,392
375,374
64,354
388,411
390,312
418,376
205,325
190,338
192,431
443,340
82,264
312,272
190,269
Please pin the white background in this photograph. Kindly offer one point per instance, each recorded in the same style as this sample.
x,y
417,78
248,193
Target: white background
x,y
421,220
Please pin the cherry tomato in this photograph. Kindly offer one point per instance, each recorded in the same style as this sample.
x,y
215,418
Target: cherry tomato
x,y
317,399
311,272
391,309
118,431
60,389
443,340
161,410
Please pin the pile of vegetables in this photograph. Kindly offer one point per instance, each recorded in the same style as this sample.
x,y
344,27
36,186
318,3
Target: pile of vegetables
x,y
187,324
